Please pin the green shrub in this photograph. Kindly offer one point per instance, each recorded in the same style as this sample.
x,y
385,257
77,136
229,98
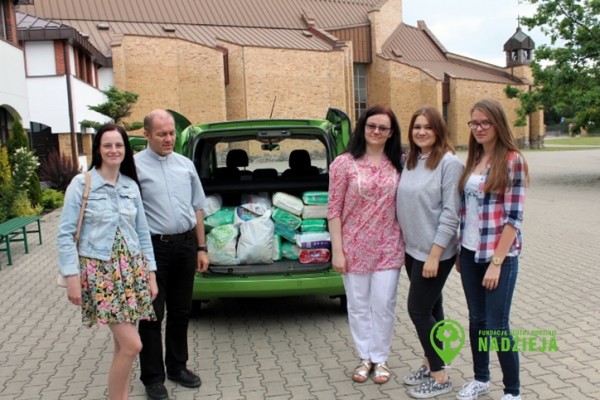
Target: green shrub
x,y
34,190
52,199
23,164
18,137
6,192
5,203
58,171
21,206
5,172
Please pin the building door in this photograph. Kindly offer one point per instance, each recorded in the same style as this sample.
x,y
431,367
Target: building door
x,y
42,140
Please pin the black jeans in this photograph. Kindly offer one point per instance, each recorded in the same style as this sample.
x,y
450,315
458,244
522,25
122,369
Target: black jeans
x,y
425,306
176,265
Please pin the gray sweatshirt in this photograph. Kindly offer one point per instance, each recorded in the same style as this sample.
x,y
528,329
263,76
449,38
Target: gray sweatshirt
x,y
428,206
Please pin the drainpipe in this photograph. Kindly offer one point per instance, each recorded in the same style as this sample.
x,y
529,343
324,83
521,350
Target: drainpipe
x,y
70,103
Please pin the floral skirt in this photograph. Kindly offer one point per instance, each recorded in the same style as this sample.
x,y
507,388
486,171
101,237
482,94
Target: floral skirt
x,y
117,290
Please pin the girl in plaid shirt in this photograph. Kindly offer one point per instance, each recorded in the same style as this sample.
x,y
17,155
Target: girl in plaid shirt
x,y
492,188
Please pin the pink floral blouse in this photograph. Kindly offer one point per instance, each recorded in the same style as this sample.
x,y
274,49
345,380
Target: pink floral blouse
x,y
363,196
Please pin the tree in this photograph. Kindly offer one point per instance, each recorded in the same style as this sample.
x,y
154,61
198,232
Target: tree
x,y
117,108
566,77
18,137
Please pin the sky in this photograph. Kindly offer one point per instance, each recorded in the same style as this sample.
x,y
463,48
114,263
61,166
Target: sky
x,y
473,28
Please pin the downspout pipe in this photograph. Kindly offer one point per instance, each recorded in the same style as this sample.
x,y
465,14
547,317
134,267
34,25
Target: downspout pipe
x,y
70,103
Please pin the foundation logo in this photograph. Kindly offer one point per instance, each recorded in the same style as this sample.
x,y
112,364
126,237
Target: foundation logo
x,y
452,336
540,340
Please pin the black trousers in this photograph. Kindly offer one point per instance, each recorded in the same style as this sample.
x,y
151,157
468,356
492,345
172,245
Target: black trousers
x,y
425,304
176,265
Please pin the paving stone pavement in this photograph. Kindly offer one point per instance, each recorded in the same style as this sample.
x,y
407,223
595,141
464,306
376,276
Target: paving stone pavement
x,y
300,348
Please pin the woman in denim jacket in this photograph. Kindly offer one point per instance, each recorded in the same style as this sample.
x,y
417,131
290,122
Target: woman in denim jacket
x,y
493,194
110,274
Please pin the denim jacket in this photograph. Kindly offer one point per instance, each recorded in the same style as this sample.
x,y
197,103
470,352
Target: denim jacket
x,y
108,208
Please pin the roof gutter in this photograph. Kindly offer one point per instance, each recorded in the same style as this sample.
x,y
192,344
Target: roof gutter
x,y
64,32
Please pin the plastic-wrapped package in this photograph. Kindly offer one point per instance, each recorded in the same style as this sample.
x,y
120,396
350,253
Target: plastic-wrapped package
x,y
285,218
222,217
286,232
255,245
310,256
313,240
277,254
288,202
289,250
221,243
315,197
257,203
242,214
314,211
214,202
314,225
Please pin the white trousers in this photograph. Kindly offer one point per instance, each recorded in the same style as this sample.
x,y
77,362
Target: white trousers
x,y
371,312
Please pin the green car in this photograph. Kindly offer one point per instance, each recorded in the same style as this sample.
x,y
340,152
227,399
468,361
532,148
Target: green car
x,y
250,161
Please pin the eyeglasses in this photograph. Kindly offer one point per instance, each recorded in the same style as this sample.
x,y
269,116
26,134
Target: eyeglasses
x,y
381,128
476,124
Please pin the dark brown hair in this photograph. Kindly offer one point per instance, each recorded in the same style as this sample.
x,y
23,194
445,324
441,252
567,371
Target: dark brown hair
x,y
357,146
127,167
441,145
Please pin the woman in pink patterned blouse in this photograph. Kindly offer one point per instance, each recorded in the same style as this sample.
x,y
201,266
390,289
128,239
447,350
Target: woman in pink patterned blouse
x,y
366,240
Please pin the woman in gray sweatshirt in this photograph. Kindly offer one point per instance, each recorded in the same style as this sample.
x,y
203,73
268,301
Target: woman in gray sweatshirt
x,y
428,205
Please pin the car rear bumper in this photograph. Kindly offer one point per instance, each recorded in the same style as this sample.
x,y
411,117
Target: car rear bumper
x,y
213,286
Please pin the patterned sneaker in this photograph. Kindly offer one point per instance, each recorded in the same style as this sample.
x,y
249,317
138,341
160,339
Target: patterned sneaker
x,y
431,388
511,397
417,377
472,390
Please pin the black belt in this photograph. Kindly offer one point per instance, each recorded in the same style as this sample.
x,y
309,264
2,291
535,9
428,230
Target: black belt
x,y
175,238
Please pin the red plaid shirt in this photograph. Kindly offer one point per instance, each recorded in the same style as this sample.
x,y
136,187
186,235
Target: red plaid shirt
x,y
497,209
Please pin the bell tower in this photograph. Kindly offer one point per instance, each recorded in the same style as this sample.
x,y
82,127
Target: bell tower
x,y
519,49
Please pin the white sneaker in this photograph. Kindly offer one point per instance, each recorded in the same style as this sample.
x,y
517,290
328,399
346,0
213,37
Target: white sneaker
x,y
472,390
511,397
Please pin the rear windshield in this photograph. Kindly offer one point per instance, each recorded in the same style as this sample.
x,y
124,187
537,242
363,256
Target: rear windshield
x,y
277,157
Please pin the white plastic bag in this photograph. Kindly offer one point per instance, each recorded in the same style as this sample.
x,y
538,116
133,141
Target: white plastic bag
x,y
255,245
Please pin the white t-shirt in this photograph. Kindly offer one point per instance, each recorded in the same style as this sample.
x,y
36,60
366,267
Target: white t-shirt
x,y
471,236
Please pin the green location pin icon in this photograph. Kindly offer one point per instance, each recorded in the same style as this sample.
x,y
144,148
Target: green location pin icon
x,y
452,336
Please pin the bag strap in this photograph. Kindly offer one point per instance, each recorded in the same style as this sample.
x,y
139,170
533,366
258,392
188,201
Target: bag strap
x,y
86,194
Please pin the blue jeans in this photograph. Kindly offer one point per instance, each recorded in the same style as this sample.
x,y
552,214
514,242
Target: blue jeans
x,y
489,310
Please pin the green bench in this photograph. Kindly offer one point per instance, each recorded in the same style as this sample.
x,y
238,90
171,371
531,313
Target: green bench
x,y
15,230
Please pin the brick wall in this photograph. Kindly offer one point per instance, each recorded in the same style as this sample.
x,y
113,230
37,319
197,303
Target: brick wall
x,y
173,74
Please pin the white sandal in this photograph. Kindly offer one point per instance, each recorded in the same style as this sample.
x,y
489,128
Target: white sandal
x,y
381,373
362,371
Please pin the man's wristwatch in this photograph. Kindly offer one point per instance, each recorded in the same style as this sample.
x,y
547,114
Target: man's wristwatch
x,y
497,261
201,248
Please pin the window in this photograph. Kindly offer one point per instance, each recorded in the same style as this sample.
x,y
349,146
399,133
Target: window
x,y
360,89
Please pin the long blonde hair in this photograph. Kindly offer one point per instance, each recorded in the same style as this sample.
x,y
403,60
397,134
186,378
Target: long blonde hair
x,y
498,178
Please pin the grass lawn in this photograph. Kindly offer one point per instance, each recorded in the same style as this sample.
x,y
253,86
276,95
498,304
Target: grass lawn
x,y
577,141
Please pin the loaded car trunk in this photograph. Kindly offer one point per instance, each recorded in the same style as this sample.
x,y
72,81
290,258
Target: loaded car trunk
x,y
232,193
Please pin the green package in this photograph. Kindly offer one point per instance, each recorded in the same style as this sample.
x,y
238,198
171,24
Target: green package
x,y
289,250
316,197
313,225
285,218
222,217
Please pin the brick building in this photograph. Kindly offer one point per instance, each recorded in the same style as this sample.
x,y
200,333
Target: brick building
x,y
214,60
